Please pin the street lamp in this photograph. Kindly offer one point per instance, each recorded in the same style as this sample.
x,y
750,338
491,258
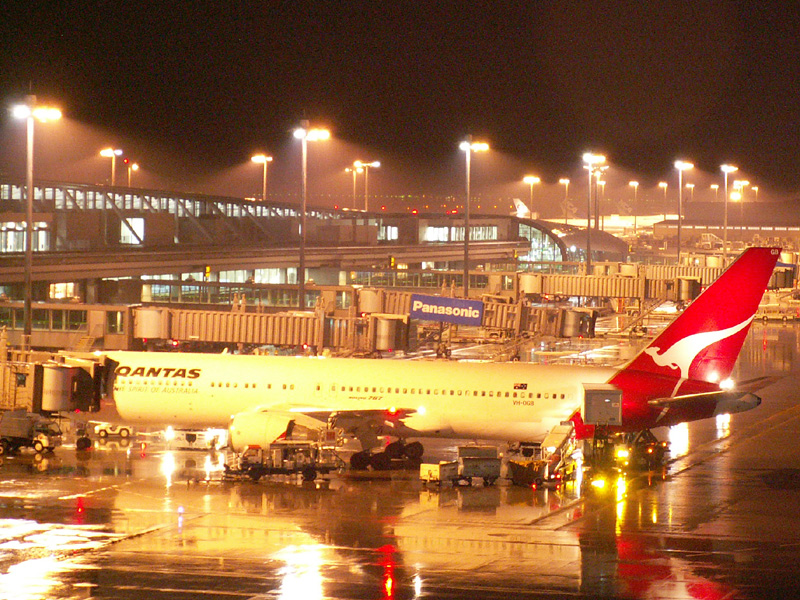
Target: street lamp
x,y
132,168
531,180
726,169
681,166
635,186
112,153
305,135
366,166
355,171
565,182
663,185
262,159
30,112
599,218
468,147
593,165
715,187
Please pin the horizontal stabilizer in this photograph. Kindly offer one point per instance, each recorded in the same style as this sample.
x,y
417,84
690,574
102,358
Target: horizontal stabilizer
x,y
723,401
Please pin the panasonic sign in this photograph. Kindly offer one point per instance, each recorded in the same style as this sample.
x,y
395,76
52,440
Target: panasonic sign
x,y
448,310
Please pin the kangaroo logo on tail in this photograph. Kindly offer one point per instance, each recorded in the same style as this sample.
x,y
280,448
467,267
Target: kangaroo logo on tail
x,y
682,353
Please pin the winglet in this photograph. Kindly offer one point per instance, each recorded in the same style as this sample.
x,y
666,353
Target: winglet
x,y
703,343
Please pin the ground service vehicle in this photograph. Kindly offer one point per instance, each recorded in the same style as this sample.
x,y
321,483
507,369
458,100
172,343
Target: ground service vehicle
x,y
285,457
473,462
20,428
105,430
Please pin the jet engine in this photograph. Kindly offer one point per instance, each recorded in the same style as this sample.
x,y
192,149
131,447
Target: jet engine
x,y
262,428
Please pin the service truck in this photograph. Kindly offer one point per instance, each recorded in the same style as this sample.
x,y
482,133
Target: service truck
x,y
20,428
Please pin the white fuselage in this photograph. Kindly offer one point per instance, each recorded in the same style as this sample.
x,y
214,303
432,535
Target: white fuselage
x,y
502,401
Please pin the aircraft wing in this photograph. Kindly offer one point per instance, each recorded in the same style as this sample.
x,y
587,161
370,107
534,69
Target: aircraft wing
x,y
261,426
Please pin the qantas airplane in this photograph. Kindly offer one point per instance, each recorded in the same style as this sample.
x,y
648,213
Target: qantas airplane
x,y
682,375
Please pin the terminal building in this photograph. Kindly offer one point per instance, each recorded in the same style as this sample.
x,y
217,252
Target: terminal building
x,y
114,234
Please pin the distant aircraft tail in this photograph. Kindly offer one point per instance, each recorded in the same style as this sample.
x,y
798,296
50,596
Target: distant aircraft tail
x,y
521,210
703,343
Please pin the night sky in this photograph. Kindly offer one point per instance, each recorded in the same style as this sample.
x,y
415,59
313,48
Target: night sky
x,y
191,89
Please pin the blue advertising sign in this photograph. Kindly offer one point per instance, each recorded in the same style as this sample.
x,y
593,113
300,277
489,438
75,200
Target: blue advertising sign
x,y
447,310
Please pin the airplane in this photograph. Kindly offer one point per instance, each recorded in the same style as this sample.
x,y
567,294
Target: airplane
x,y
682,375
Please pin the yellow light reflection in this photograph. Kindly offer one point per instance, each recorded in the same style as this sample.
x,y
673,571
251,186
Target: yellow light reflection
x,y
622,488
33,579
301,577
723,426
168,467
679,439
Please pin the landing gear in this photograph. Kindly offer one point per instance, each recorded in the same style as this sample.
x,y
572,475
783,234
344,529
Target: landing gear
x,y
396,455
360,460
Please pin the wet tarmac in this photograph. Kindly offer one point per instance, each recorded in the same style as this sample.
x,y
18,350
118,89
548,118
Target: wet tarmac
x,y
145,521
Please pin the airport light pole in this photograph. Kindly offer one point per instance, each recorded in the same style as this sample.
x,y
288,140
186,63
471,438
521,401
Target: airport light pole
x,y
262,159
31,113
112,153
726,169
132,168
366,166
663,185
305,135
635,186
593,165
355,171
681,166
531,180
468,147
565,182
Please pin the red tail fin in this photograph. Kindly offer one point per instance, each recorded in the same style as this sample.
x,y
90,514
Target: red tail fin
x,y
703,343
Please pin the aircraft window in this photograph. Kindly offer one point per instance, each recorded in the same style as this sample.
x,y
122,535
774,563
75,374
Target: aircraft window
x,y
228,384
374,390
405,390
546,396
381,390
562,396
284,386
539,395
507,394
459,392
319,388
212,384
453,392
515,395
491,394
351,388
483,393
236,385
412,391
291,387
269,386
435,392
254,386
429,392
